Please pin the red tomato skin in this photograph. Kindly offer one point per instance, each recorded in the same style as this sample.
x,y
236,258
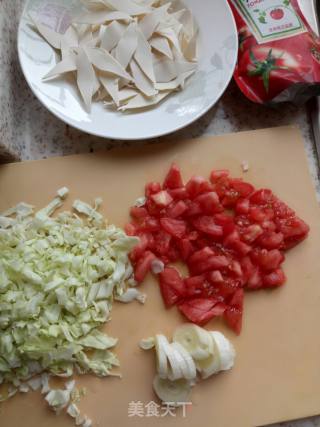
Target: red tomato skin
x,y
143,266
174,227
242,206
216,175
179,193
130,229
140,248
152,188
162,242
209,203
208,264
207,225
198,185
274,279
201,310
173,180
162,199
172,286
271,240
186,248
177,209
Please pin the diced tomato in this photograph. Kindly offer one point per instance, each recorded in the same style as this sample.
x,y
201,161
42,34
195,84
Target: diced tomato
x,y
267,260
216,175
262,197
235,268
177,209
207,224
138,213
173,179
257,215
215,277
175,227
179,193
198,185
186,248
231,237
281,210
274,279
150,224
173,254
143,266
162,199
209,203
233,241
251,233
194,209
171,285
255,280
140,248
201,255
227,288
233,314
201,310
152,188
242,206
162,241
194,285
230,198
294,230
208,264
130,229
244,189
271,240
223,219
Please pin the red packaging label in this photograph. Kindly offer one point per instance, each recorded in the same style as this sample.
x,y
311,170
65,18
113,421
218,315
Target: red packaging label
x,y
279,55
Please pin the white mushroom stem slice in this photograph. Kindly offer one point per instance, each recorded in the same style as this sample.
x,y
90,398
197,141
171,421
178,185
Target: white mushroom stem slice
x,y
141,101
171,35
127,46
176,83
85,77
65,66
51,36
141,80
190,51
111,86
99,17
128,6
126,94
101,59
165,70
144,57
70,37
151,21
112,35
161,45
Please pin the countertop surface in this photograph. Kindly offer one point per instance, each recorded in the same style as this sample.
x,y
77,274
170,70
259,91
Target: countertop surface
x,y
28,131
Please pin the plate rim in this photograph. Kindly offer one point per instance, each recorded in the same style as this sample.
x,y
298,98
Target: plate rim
x,y
157,134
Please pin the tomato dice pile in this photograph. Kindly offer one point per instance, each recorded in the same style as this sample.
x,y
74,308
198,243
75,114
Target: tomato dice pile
x,y
231,236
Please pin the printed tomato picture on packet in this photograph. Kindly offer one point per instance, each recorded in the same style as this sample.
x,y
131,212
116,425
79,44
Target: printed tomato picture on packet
x,y
279,54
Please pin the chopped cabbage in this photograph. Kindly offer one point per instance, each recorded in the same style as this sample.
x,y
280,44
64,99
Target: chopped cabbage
x,y
58,279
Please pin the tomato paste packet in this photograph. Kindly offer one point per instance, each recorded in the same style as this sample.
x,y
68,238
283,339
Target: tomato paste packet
x,y
279,54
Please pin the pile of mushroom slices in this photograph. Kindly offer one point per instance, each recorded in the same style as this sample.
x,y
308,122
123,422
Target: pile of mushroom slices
x,y
128,54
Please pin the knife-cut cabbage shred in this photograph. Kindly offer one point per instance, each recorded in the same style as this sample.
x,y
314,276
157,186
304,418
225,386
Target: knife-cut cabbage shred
x,y
58,279
116,45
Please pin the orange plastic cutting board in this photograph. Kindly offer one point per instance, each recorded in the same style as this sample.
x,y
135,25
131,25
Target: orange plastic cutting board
x,y
277,371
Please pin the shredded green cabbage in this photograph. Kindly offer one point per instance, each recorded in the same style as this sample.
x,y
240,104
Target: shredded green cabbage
x,y
58,279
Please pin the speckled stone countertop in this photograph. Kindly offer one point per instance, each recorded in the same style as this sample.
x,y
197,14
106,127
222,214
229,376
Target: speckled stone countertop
x,y
28,131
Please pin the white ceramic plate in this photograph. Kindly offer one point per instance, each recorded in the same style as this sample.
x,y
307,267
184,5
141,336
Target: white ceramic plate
x,y
218,47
